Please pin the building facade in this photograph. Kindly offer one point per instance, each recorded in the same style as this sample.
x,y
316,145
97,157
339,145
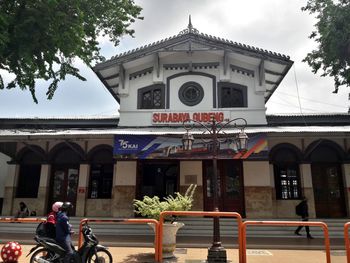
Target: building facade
x,y
101,165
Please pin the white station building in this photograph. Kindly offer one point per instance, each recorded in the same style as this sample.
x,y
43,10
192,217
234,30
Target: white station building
x,y
102,164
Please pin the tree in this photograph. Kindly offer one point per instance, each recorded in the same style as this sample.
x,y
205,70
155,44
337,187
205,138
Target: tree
x,y
332,34
40,39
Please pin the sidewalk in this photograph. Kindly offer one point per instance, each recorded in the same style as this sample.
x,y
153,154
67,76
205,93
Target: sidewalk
x,y
198,255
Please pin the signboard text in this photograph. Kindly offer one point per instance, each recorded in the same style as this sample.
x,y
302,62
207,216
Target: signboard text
x,y
180,117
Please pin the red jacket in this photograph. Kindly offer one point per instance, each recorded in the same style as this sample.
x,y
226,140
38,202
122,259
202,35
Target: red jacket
x,y
51,218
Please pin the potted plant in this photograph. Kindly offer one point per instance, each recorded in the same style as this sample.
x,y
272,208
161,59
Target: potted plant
x,y
151,207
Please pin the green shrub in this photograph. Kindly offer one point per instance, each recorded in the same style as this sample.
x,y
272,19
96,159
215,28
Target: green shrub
x,y
151,207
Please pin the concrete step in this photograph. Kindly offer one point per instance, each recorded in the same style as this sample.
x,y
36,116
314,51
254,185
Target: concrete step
x,y
193,227
195,233
301,243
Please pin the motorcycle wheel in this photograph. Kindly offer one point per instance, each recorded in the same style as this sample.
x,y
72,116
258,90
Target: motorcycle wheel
x,y
100,256
40,254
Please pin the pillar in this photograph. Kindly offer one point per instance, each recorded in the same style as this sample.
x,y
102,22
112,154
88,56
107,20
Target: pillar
x,y
82,190
124,188
191,173
10,190
346,173
43,191
308,191
257,189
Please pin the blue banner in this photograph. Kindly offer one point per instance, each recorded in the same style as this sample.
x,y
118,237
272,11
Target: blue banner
x,y
161,147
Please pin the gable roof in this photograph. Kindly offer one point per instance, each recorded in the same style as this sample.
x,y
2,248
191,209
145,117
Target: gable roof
x,y
209,41
191,39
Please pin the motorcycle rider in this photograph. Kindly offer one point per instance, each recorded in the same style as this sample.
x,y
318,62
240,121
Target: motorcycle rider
x,y
51,220
64,230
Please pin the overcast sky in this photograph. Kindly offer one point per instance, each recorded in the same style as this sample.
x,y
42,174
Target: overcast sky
x,y
275,25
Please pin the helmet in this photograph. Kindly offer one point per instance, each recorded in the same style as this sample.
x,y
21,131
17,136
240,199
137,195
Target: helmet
x,y
56,206
66,205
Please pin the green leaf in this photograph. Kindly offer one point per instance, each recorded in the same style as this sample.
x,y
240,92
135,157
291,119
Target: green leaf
x,y
332,35
36,36
151,207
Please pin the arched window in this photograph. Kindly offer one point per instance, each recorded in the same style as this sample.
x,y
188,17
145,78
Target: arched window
x,y
287,175
29,172
151,97
232,95
101,173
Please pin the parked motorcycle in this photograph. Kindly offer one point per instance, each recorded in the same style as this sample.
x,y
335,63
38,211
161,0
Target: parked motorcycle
x,y
47,250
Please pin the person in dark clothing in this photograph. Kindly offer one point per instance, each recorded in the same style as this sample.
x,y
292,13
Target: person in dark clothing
x,y
64,230
23,210
304,213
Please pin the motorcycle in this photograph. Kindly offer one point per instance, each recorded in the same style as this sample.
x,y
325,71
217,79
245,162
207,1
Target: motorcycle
x,y
47,250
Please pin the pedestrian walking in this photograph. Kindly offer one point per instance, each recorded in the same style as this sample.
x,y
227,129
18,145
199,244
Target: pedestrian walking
x,y
302,210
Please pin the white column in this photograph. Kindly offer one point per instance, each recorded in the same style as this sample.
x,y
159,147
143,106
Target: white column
x,y
44,190
45,175
10,188
125,173
346,173
124,188
83,184
257,189
306,184
191,172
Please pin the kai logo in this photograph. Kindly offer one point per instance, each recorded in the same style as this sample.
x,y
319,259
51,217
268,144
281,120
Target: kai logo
x,y
126,145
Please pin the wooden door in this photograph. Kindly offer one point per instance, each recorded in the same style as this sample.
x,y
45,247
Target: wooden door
x,y
64,186
328,190
158,178
230,186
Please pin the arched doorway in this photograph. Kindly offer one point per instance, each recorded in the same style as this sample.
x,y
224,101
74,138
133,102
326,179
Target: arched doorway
x,y
327,179
230,186
65,159
286,158
157,178
30,159
101,172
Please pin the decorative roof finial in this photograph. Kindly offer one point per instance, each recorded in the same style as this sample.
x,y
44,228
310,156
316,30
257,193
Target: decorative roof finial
x,y
189,29
189,23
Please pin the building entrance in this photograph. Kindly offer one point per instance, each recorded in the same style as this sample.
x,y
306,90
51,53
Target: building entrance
x,y
157,178
64,185
328,190
230,184
66,159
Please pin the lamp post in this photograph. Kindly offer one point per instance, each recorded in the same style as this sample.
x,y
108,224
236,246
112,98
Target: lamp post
x,y
214,133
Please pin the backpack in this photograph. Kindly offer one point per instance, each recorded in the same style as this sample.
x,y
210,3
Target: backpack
x,y
41,230
45,229
299,209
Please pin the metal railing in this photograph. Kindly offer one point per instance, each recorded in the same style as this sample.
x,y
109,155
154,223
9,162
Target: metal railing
x,y
198,214
284,223
347,242
241,226
22,220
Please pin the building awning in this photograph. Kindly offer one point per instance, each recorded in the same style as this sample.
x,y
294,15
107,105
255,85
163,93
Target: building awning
x,y
34,133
